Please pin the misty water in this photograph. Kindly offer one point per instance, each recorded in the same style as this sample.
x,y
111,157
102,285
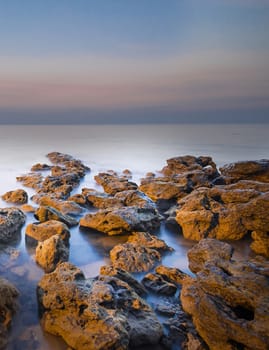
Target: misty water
x,y
139,148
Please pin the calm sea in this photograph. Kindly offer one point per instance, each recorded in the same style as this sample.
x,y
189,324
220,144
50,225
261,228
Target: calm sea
x,y
140,148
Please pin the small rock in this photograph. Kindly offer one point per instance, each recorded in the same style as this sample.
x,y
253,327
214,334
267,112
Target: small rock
x,y
157,284
17,196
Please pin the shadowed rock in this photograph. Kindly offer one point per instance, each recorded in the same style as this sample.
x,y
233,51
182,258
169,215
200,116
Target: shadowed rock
x,y
157,284
112,183
11,221
47,213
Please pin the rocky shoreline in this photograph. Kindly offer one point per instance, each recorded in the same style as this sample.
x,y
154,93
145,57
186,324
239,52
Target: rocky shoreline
x,y
215,307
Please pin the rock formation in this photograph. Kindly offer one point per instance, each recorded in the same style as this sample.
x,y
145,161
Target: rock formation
x,y
11,221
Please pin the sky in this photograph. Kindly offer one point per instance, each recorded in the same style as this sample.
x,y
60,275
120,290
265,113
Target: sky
x,y
126,61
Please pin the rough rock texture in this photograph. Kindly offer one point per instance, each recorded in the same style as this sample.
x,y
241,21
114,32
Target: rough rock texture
x,y
112,183
17,196
133,257
11,220
44,230
147,240
260,244
225,212
92,314
78,198
51,252
65,207
157,284
257,170
48,213
40,167
229,300
32,180
100,200
172,274
8,306
122,220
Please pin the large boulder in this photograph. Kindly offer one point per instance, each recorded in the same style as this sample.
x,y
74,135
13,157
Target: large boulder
x,y
40,231
228,300
122,220
224,212
11,221
17,196
8,307
256,170
98,313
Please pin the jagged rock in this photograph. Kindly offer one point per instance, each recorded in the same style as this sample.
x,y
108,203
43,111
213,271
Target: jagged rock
x,y
27,208
32,180
122,220
39,232
99,313
124,276
172,274
229,300
256,170
51,252
147,240
260,244
157,284
133,257
70,164
60,186
47,213
224,212
101,200
65,207
17,196
78,198
40,167
8,307
11,220
113,183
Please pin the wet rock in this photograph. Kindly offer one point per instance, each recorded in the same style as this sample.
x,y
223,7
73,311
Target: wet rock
x,y
11,221
51,252
224,212
134,198
99,313
17,196
59,186
112,183
122,220
39,232
124,276
78,198
8,307
172,274
226,309
32,180
147,240
27,208
256,170
260,244
40,167
101,200
65,207
134,258
157,284
44,213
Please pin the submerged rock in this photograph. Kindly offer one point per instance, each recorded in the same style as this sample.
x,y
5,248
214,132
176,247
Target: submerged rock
x,y
223,301
11,221
98,313
8,307
17,196
122,220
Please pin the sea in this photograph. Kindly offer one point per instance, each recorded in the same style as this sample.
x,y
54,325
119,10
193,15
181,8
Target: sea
x,y
139,148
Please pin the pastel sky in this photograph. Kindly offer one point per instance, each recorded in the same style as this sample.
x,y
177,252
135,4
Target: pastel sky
x,y
87,61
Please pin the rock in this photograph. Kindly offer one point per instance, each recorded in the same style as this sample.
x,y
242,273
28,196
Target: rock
x,y
99,313
11,220
260,244
17,196
113,184
157,284
147,240
224,212
70,164
134,198
48,213
32,180
124,276
59,186
134,258
40,167
101,200
122,220
8,307
27,208
226,309
256,170
40,232
171,274
65,207
78,198
51,252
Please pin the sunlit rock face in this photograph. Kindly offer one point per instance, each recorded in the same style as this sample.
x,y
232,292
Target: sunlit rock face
x,y
17,196
8,306
113,183
11,221
228,300
98,313
225,212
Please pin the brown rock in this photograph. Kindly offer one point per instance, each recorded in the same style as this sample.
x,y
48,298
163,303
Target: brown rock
x,y
27,208
260,244
147,240
17,196
65,207
78,198
44,230
32,180
172,274
113,183
40,167
11,221
48,213
157,284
